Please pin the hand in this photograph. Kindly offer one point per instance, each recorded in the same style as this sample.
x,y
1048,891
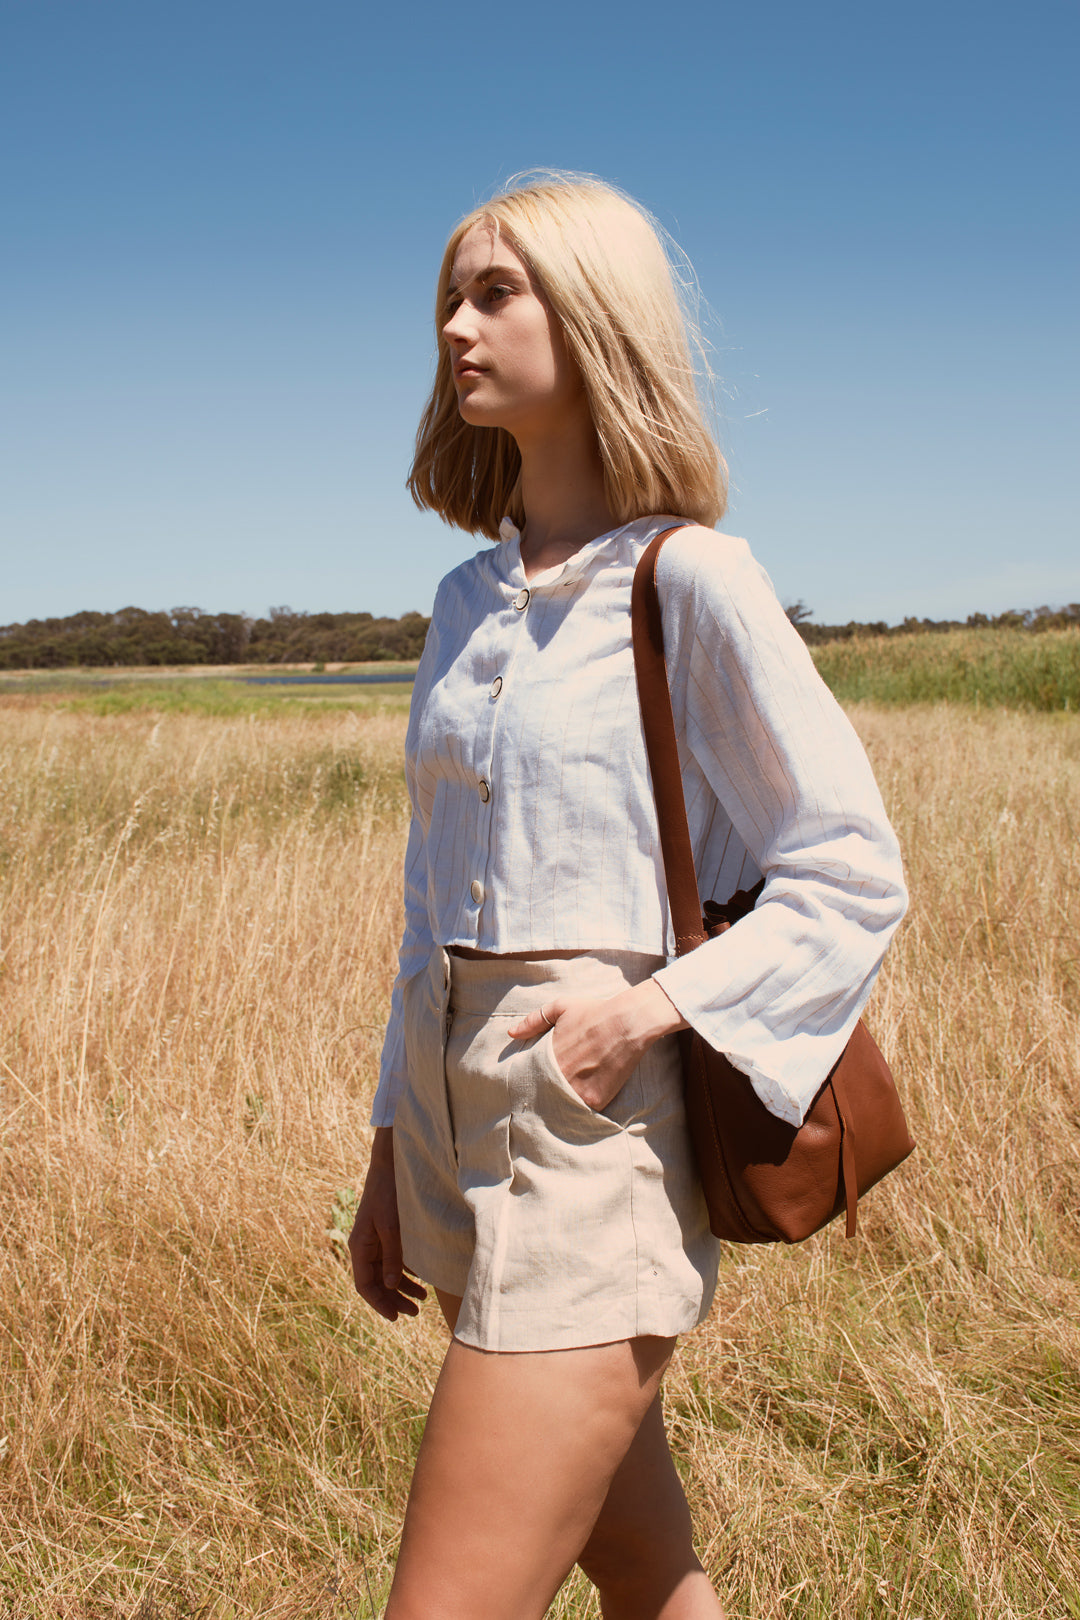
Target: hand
x,y
599,1044
375,1240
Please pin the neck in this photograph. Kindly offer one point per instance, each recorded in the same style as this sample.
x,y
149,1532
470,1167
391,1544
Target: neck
x,y
562,487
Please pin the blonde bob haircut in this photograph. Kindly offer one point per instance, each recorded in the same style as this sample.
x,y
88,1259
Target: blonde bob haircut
x,y
599,259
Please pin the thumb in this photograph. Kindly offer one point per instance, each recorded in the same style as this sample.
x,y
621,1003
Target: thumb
x,y
536,1022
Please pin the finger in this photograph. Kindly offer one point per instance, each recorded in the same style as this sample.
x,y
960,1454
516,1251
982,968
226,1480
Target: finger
x,y
535,1023
380,1301
405,1305
390,1303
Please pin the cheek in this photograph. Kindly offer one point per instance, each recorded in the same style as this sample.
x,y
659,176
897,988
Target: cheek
x,y
552,359
568,377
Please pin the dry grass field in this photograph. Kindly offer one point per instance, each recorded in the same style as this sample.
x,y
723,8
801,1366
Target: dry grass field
x,y
198,922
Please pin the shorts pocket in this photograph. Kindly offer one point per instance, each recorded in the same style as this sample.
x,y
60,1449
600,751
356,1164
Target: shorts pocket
x,y
557,1085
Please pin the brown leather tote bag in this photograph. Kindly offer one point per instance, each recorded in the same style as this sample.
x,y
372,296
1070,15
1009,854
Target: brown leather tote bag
x,y
765,1181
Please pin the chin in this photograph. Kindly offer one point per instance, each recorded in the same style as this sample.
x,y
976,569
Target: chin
x,y
474,413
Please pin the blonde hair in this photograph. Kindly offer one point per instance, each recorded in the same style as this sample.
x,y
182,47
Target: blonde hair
x,y
600,261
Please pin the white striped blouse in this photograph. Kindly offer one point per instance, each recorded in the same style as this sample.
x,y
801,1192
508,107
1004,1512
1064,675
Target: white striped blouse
x,y
534,826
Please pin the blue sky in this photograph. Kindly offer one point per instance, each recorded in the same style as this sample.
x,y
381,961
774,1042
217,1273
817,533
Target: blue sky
x,y
222,223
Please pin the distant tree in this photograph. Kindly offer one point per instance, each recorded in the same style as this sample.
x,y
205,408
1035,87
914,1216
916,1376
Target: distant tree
x,y
189,635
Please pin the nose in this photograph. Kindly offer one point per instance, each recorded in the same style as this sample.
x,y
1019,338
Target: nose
x,y
459,328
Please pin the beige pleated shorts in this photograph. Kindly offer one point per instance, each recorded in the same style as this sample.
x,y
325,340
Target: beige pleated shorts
x,y
559,1226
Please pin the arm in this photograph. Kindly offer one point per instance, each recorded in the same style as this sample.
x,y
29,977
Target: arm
x,y
413,956
375,1241
780,994
416,939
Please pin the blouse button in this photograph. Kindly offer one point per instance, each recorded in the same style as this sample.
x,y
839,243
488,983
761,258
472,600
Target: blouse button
x,y
521,600
476,889
496,686
483,790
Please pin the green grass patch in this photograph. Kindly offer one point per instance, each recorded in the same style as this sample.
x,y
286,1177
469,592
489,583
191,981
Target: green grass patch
x,y
1011,669
203,695
208,695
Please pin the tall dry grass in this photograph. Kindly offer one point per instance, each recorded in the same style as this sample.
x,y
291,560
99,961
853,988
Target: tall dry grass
x,y
198,920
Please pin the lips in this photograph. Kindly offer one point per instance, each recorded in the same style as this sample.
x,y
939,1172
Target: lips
x,y
466,368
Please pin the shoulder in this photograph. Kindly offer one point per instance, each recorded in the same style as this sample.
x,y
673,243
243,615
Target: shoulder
x,y
470,581
692,547
708,570
477,570
719,607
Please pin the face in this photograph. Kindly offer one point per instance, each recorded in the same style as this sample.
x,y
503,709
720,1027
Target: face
x,y
511,364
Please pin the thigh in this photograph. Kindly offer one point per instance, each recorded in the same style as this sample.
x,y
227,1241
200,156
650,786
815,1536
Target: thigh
x,y
518,1456
450,1305
640,1553
645,1506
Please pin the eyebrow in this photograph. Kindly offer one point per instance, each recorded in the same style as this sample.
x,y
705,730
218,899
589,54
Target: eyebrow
x,y
485,276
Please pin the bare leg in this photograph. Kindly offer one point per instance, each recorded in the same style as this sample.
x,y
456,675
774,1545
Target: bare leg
x,y
516,1461
640,1554
450,1305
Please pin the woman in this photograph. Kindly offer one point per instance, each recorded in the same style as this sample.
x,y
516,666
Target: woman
x,y
530,1159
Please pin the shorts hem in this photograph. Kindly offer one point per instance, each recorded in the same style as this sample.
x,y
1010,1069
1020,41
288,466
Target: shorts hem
x,y
519,1332
435,1276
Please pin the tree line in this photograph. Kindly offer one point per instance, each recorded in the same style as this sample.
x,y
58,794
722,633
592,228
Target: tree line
x,y
1032,619
187,635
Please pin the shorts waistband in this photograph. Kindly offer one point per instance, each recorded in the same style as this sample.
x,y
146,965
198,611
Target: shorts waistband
x,y
504,986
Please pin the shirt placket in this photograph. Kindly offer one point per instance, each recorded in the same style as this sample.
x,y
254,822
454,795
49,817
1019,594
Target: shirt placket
x,y
487,785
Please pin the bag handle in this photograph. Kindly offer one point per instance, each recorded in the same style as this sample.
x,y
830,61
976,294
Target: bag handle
x,y
662,748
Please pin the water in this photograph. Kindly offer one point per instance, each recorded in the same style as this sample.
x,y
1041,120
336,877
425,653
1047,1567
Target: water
x,y
401,678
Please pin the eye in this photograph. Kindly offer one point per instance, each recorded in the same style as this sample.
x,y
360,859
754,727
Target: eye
x,y
497,293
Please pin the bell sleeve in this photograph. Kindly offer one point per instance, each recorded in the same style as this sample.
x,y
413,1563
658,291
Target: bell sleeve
x,y
781,992
417,938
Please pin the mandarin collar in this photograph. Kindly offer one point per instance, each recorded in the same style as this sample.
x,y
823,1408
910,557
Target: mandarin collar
x,y
510,535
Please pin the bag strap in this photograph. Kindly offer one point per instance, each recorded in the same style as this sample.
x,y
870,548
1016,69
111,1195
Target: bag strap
x,y
661,746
